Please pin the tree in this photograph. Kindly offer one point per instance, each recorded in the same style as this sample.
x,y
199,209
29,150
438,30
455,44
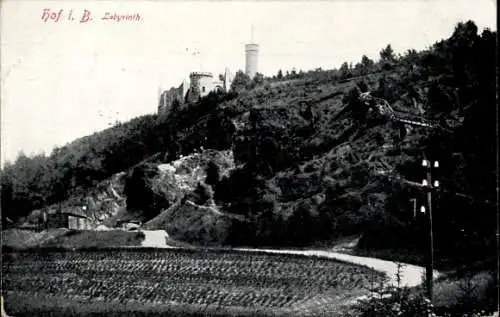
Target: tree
x,y
7,197
142,192
465,34
384,89
213,173
366,64
302,224
175,105
387,57
240,81
258,79
280,74
411,52
201,194
387,54
344,71
464,53
363,86
173,147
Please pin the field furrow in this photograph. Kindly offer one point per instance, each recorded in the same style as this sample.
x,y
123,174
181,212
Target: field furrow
x,y
175,277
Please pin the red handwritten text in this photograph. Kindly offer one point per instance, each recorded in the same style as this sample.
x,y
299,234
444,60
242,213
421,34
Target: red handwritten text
x,y
122,17
86,16
51,15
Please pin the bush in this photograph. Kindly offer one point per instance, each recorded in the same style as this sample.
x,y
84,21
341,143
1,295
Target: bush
x,y
394,301
388,300
141,192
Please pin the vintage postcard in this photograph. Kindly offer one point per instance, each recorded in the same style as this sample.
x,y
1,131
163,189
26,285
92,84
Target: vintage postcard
x,y
249,158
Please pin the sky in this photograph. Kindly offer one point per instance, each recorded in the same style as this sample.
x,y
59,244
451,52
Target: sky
x,y
64,79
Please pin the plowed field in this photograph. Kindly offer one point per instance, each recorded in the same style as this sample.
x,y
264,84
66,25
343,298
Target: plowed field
x,y
159,281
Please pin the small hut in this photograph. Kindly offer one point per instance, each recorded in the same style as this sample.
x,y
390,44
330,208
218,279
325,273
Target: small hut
x,y
71,218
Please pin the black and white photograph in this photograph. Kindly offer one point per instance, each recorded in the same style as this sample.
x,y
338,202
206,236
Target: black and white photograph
x,y
249,158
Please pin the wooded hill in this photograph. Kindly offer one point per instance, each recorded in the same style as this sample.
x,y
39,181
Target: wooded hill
x,y
305,174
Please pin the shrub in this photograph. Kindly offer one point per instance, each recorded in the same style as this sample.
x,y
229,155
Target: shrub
x,y
389,300
393,301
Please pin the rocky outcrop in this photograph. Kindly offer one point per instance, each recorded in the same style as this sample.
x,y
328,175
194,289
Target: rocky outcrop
x,y
190,213
154,187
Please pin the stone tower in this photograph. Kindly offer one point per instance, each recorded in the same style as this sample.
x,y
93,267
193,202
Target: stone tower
x,y
202,83
251,59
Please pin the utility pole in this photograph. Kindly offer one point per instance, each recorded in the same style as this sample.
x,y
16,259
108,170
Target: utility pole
x,y
429,187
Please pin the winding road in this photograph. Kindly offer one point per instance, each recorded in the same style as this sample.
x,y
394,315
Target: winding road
x,y
155,239
411,275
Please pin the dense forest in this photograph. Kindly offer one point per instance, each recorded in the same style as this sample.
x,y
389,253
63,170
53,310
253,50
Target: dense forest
x,y
305,174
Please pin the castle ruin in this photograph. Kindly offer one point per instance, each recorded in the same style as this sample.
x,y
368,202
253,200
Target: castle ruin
x,y
201,84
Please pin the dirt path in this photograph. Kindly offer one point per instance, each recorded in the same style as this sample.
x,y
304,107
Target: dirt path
x,y
155,239
411,275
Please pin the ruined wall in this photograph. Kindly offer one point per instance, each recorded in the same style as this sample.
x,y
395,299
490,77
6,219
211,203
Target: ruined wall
x,y
228,79
200,84
168,96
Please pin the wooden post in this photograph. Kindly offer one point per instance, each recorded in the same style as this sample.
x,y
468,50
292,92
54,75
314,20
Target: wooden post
x,y
430,261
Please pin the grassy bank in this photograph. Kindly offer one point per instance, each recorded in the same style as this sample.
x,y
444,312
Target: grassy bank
x,y
16,239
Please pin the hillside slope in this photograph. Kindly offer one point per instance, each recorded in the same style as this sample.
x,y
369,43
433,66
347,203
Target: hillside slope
x,y
307,164
309,172
143,192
